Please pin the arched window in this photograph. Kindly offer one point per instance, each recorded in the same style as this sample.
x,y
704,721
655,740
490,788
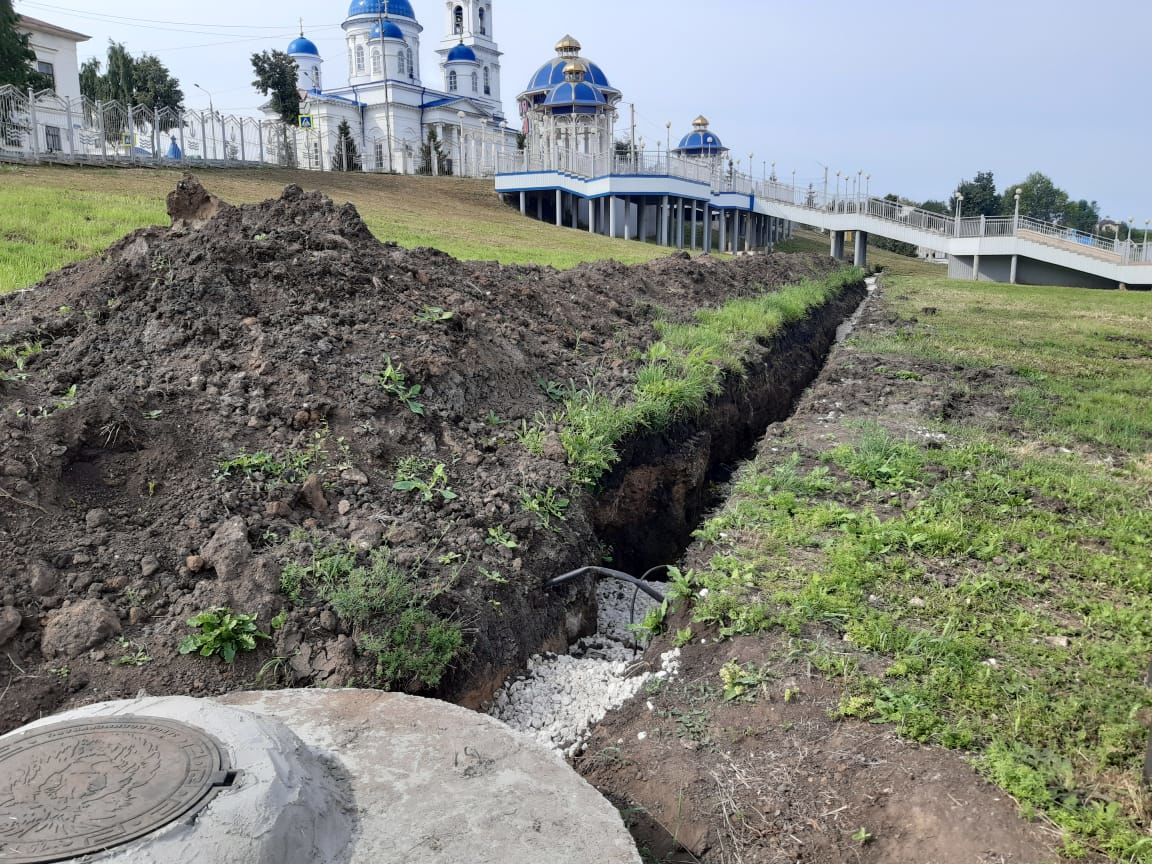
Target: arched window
x,y
483,24
376,61
487,82
452,81
316,77
400,64
411,64
359,58
475,82
458,20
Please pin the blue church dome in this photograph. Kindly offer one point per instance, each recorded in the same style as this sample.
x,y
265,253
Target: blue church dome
x,y
390,31
399,8
303,46
701,141
462,53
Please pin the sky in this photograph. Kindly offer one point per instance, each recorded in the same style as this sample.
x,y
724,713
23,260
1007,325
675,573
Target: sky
x,y
917,95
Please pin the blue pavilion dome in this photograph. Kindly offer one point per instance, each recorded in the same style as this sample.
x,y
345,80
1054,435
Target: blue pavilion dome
x,y
575,97
462,54
389,31
399,8
303,46
701,141
552,73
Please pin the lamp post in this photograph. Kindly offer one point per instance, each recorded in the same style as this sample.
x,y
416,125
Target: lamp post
x,y
868,186
212,115
959,203
668,140
793,185
859,183
460,117
1016,212
839,174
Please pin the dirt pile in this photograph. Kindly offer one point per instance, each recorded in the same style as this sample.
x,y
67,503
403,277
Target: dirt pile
x,y
205,403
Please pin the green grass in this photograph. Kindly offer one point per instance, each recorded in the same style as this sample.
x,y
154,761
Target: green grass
x,y
683,369
388,609
1001,588
50,216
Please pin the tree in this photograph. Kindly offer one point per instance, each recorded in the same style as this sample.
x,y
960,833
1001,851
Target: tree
x,y
431,150
1040,198
17,59
130,80
1082,215
980,196
935,207
346,157
276,76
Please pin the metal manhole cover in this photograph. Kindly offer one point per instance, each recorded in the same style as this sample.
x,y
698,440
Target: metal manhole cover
x,y
84,786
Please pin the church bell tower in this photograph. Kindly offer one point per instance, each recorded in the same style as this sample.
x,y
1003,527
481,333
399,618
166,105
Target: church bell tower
x,y
470,23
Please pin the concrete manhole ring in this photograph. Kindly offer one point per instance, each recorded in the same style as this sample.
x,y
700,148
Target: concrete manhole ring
x,y
84,786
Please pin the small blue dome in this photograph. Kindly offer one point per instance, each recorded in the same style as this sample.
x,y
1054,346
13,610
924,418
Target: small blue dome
x,y
399,8
303,46
552,73
390,31
462,54
701,142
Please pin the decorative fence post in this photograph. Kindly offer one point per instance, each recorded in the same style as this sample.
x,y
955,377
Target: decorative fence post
x,y
35,132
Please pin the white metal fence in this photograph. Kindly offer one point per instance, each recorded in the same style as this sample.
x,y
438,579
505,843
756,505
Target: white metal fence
x,y
44,128
720,177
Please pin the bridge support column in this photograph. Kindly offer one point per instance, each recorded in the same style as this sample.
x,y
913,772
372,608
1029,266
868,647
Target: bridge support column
x,y
692,243
860,259
837,245
680,224
723,230
559,209
1012,276
976,268
539,204
523,203
612,216
593,203
707,228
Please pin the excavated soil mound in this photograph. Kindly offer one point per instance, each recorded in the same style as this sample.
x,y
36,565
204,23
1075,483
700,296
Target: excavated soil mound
x,y
203,403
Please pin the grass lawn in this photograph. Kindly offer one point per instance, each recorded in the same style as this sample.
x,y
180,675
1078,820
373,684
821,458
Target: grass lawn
x,y
990,590
50,217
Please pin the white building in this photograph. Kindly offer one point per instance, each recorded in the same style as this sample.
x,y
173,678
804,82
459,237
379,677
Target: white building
x,y
392,105
56,55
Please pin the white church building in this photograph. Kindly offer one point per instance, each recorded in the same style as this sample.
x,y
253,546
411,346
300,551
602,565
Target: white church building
x,y
392,105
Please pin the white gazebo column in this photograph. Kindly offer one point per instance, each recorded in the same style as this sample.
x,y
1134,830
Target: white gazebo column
x,y
612,216
680,224
665,219
692,244
707,227
723,231
593,203
559,208
523,203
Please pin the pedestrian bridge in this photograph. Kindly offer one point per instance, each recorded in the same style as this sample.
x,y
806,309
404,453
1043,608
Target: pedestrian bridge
x,y
697,205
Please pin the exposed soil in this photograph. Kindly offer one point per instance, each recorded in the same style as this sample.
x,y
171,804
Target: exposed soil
x,y
779,779
265,328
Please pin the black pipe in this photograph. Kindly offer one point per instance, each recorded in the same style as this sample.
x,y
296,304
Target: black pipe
x,y
611,574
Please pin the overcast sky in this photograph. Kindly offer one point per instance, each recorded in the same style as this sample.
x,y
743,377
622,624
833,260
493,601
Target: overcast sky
x,y
918,94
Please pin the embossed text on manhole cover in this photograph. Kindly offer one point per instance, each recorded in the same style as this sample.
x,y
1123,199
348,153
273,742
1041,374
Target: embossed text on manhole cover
x,y
84,786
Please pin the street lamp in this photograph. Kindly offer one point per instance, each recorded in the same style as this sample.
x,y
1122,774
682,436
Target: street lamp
x,y
839,174
959,203
211,115
668,137
1016,214
868,186
859,182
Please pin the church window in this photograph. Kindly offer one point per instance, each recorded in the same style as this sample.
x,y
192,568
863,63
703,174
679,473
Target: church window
x,y
475,82
400,69
487,82
316,77
359,58
411,65
375,61
483,25
452,81
458,20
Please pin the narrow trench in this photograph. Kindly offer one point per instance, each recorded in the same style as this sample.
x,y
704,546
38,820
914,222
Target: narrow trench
x,y
666,487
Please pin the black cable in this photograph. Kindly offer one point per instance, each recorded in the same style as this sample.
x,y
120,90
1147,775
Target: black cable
x,y
611,574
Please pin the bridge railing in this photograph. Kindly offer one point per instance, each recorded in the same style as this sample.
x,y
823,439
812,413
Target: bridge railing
x,y
721,178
